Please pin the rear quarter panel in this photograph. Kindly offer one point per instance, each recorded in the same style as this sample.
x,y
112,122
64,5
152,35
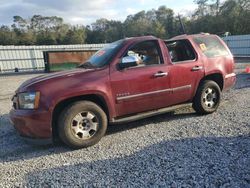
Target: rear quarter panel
x,y
223,65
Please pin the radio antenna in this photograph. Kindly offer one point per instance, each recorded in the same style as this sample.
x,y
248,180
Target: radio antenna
x,y
182,25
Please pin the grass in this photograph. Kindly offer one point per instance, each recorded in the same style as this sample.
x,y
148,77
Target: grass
x,y
63,66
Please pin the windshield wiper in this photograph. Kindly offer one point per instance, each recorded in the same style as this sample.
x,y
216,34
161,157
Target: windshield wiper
x,y
86,65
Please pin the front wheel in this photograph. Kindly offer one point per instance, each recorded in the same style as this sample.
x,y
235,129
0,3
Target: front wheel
x,y
82,124
207,98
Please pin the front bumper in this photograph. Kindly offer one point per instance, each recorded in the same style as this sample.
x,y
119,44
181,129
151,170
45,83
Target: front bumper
x,y
32,124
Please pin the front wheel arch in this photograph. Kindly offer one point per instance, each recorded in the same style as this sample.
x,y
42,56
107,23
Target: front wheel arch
x,y
60,106
82,124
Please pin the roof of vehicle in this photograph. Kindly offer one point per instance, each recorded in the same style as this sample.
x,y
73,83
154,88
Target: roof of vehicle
x,y
185,36
150,37
179,37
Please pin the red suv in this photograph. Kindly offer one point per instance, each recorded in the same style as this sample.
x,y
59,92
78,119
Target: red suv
x,y
129,79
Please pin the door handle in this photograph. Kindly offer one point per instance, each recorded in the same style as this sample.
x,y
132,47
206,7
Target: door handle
x,y
196,68
160,74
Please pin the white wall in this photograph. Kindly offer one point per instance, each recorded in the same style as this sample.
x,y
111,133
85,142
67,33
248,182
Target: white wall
x,y
31,57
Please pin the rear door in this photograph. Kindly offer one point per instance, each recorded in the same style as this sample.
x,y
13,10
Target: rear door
x,y
186,70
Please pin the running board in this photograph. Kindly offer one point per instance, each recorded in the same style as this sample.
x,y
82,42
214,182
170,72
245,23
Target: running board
x,y
148,114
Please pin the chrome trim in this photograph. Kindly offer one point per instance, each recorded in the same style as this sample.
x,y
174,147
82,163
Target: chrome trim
x,y
143,94
153,92
230,75
160,74
182,87
196,68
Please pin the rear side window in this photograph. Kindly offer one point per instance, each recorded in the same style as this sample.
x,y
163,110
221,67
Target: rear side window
x,y
211,46
180,51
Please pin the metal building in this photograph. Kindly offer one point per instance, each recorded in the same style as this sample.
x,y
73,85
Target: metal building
x,y
30,58
239,45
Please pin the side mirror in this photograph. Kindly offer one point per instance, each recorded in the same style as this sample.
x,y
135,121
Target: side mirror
x,y
128,61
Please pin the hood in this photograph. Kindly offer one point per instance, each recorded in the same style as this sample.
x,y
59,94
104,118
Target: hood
x,y
46,77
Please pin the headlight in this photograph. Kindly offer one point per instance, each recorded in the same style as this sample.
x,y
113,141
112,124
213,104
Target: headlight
x,y
28,100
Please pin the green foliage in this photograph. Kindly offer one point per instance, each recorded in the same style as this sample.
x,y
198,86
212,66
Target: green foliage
x,y
231,16
6,35
76,35
63,66
213,16
104,31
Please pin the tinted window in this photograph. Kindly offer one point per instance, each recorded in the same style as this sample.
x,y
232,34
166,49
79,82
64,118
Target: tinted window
x,y
180,50
211,46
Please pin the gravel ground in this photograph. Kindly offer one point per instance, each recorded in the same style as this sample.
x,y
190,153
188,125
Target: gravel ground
x,y
179,149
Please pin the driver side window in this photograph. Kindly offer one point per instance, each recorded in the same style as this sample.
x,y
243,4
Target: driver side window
x,y
145,53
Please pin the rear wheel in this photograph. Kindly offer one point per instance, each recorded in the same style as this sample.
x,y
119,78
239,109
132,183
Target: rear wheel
x,y
207,98
82,124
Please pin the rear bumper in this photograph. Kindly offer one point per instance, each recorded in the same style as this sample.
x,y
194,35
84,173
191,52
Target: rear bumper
x,y
32,124
229,81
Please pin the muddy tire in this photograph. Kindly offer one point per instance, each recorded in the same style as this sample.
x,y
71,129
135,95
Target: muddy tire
x,y
82,124
207,98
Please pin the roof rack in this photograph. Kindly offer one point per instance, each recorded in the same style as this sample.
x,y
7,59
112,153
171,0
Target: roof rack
x,y
202,33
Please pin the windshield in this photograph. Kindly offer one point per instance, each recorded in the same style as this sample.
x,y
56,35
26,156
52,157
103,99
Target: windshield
x,y
103,56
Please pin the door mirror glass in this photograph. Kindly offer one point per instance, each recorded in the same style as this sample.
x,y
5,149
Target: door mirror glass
x,y
128,61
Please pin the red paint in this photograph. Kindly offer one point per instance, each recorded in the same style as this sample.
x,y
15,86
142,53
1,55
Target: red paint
x,y
109,83
100,53
247,69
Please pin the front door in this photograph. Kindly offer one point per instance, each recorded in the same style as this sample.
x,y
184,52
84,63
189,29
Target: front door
x,y
146,85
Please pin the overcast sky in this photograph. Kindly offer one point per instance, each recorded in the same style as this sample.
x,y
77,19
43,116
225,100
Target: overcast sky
x,y
85,11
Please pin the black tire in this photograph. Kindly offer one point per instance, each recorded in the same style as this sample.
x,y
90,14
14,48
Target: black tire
x,y
207,98
82,124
